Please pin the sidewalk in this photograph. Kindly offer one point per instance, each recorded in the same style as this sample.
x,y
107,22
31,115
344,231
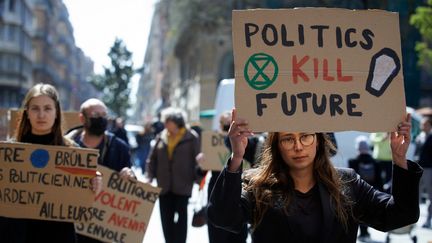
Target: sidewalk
x,y
154,232
423,235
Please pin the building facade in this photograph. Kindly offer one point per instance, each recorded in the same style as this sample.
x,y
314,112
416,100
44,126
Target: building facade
x,y
37,45
16,25
190,51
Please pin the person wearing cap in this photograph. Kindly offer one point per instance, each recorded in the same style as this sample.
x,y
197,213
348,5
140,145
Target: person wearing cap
x,y
368,169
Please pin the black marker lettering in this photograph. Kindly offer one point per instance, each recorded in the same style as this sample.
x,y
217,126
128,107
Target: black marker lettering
x,y
260,105
320,32
351,105
304,97
265,34
367,35
348,41
335,102
319,109
284,37
249,33
284,104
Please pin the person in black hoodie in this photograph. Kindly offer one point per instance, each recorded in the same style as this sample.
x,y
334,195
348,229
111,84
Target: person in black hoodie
x,y
368,169
40,123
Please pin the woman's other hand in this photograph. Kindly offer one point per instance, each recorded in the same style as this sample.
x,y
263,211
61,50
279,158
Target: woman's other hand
x,y
238,134
400,141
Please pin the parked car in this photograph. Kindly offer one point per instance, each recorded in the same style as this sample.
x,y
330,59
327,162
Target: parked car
x,y
224,100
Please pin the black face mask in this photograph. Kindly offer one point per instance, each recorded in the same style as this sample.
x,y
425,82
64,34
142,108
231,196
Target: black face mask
x,y
96,125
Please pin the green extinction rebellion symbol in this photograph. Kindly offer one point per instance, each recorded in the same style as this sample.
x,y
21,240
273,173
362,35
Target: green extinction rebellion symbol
x,y
254,71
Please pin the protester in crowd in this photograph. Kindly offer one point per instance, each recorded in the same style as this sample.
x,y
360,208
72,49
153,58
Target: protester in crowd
x,y
425,160
142,151
40,123
425,182
217,234
157,125
425,131
296,194
172,163
368,169
119,130
196,126
383,155
113,152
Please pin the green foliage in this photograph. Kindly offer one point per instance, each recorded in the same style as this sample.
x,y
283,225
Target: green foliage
x,y
422,20
199,14
114,83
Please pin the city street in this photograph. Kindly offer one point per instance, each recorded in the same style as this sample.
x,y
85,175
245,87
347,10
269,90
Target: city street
x,y
423,235
287,85
154,232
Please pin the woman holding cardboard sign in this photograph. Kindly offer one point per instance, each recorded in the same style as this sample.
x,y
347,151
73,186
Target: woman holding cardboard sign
x,y
40,123
296,195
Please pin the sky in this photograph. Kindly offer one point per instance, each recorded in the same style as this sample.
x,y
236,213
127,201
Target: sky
x,y
96,24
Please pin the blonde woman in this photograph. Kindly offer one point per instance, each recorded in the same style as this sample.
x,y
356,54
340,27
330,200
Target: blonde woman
x,y
40,123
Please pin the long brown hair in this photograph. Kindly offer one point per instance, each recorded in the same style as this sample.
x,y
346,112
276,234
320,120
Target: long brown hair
x,y
271,182
24,126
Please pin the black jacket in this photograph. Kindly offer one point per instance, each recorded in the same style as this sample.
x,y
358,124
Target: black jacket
x,y
229,208
426,153
114,153
369,162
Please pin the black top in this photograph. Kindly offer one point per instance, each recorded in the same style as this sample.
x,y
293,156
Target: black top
x,y
303,223
32,230
47,139
306,216
230,208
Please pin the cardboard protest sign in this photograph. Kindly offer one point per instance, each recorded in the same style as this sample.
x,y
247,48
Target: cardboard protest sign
x,y
13,122
318,69
215,151
46,182
122,209
4,123
70,120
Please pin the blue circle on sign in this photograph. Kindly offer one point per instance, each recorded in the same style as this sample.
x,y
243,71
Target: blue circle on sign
x,y
39,158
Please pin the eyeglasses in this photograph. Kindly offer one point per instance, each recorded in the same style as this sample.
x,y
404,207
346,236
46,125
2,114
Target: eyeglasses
x,y
289,142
